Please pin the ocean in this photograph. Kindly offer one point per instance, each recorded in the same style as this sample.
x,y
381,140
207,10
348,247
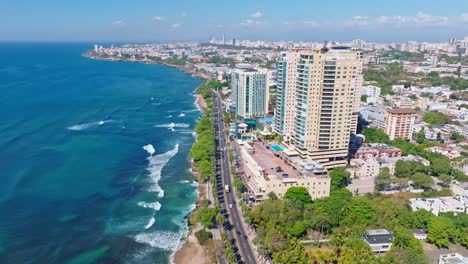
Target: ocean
x,y
94,164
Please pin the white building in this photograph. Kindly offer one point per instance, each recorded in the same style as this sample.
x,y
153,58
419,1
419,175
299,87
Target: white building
x,y
379,240
371,91
455,204
250,92
453,258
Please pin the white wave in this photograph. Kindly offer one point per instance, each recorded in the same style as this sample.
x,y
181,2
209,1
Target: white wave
x,y
156,205
181,115
150,223
165,240
150,149
184,181
169,116
152,98
156,104
88,125
173,125
155,166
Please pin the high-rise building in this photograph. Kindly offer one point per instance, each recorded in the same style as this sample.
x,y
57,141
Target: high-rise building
x,y
250,92
399,122
222,42
318,97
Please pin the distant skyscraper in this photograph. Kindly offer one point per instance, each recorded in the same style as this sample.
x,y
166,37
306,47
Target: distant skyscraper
x,y
317,99
233,41
223,40
250,93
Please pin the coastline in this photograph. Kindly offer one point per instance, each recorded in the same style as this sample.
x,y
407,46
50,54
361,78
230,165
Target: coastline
x,y
190,250
183,68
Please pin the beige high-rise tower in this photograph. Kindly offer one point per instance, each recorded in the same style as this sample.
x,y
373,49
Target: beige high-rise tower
x,y
318,98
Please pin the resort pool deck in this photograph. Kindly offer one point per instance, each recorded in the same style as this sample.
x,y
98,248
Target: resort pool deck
x,y
277,148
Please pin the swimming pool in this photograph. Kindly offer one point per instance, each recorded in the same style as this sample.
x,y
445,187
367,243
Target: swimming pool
x,y
277,148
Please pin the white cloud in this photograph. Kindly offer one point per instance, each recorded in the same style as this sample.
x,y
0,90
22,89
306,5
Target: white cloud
x,y
118,23
157,18
357,21
257,14
303,23
251,22
419,20
176,26
184,13
464,17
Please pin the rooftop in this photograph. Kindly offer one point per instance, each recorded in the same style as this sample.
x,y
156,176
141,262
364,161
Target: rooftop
x,y
378,236
269,161
401,111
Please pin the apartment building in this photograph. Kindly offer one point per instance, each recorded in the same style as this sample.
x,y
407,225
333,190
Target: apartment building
x,y
250,92
322,114
399,123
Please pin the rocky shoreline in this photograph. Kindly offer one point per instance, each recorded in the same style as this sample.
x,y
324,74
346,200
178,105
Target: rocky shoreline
x,y
183,68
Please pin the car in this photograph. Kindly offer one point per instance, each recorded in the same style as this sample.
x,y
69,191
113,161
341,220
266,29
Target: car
x,y
230,205
285,175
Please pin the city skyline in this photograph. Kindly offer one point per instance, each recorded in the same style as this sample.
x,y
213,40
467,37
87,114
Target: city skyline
x,y
149,21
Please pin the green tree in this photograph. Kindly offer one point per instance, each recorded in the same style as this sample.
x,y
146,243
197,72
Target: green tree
x,y
405,169
422,180
405,239
375,135
364,98
383,179
435,118
297,229
445,179
207,217
359,211
294,253
340,178
420,136
440,231
203,236
440,165
298,193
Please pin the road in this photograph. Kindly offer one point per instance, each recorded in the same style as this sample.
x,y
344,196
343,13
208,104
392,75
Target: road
x,y
236,222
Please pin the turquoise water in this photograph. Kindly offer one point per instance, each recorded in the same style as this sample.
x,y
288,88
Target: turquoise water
x,y
277,148
79,180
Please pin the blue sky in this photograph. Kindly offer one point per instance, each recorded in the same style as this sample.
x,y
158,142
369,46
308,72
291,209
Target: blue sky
x,y
162,20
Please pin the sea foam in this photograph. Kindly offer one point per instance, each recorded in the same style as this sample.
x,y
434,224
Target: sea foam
x,y
150,149
156,205
160,239
173,125
155,166
150,223
84,126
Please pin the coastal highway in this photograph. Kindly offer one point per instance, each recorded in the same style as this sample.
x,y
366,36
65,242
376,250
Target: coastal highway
x,y
238,230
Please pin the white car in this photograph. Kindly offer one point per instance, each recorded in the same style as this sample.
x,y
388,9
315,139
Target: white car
x,y
230,206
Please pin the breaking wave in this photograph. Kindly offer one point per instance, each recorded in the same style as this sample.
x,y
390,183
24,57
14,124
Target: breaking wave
x,y
156,205
165,240
150,223
155,166
84,126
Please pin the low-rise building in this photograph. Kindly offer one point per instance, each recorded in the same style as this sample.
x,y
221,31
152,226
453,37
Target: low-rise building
x,y
266,172
448,152
379,240
363,167
419,234
459,188
454,204
453,258
377,150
